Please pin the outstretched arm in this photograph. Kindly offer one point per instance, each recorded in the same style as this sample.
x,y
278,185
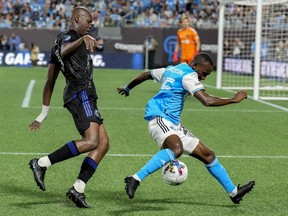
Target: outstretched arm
x,y
208,100
90,42
134,82
53,72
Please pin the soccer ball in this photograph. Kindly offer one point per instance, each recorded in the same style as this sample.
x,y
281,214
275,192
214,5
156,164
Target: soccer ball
x,y
175,172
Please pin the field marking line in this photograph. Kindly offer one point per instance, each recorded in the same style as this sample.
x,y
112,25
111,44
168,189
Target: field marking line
x,y
250,97
273,105
27,98
28,94
184,110
150,155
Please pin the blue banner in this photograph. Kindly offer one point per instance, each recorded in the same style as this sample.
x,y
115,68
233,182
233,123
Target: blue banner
x,y
100,60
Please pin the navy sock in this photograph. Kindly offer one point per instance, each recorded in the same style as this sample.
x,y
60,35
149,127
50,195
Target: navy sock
x,y
67,151
88,168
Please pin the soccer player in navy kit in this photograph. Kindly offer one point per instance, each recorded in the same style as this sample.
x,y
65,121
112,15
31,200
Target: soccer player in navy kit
x,y
163,115
71,55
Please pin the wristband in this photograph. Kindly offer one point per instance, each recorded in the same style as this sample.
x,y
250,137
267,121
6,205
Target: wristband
x,y
126,88
43,114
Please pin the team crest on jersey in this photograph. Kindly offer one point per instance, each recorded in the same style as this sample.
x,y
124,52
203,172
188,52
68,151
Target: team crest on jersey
x,y
67,37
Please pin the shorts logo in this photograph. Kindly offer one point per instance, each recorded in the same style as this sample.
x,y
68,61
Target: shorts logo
x,y
184,129
96,113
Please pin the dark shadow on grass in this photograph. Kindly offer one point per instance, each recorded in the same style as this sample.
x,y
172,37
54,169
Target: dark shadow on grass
x,y
40,197
123,205
142,205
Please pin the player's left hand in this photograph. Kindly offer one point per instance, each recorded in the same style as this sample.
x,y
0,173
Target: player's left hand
x,y
240,95
122,91
34,126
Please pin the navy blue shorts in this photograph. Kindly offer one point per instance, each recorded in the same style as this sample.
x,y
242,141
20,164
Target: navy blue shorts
x,y
84,111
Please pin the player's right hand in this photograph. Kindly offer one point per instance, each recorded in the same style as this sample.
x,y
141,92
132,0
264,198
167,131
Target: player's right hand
x,y
91,43
34,126
122,91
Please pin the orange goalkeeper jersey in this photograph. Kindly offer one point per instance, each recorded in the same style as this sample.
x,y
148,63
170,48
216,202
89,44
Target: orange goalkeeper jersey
x,y
187,39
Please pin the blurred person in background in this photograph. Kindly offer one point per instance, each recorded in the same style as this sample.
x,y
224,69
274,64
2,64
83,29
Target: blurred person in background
x,y
14,42
238,47
280,51
34,53
264,48
150,45
188,42
22,47
4,42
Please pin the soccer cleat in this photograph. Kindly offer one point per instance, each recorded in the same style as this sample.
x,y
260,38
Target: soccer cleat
x,y
38,172
131,186
78,198
242,190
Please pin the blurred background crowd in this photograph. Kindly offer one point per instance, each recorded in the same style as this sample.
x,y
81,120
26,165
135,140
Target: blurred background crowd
x,y
203,14
136,13
53,14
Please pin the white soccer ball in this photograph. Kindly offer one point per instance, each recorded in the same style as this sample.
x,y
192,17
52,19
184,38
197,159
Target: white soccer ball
x,y
175,172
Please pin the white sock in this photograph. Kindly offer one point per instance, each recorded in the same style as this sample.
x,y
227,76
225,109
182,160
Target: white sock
x,y
44,162
136,177
79,186
234,192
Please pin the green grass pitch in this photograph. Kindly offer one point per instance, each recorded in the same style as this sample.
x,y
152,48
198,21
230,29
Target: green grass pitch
x,y
249,138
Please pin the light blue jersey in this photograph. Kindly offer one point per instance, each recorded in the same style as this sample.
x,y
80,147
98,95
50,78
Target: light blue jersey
x,y
177,82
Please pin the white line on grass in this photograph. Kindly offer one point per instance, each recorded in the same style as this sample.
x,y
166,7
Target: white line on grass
x,y
273,105
28,93
184,110
150,155
26,101
260,101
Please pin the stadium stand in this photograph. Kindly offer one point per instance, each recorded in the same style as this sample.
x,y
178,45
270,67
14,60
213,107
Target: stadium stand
x,y
53,14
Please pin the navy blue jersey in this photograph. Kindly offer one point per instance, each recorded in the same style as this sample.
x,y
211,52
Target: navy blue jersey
x,y
76,67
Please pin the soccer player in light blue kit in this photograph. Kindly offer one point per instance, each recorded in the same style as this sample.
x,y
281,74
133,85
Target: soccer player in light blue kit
x,y
163,114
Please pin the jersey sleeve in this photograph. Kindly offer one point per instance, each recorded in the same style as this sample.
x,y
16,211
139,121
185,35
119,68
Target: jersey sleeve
x,y
191,83
70,36
52,57
157,74
195,35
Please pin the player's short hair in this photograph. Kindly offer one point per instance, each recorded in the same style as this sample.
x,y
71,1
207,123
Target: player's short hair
x,y
204,57
184,16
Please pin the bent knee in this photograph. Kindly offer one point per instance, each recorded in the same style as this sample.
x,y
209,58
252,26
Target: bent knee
x,y
203,153
92,144
210,156
102,144
177,149
207,156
